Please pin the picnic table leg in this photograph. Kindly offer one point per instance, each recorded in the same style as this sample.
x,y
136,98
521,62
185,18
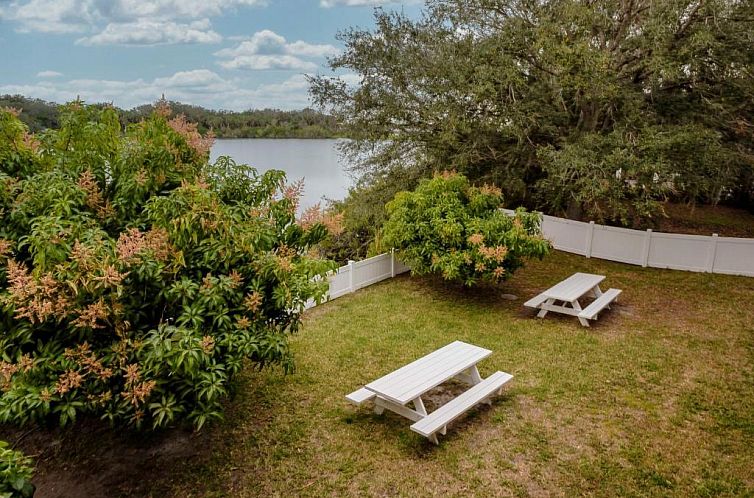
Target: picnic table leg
x,y
474,374
543,313
402,410
420,409
419,406
577,307
476,379
598,292
470,376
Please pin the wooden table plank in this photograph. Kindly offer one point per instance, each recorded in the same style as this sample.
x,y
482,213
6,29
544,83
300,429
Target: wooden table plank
x,y
418,377
574,287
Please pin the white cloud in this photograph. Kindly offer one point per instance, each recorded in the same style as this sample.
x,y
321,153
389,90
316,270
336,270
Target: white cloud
x,y
292,93
199,87
268,50
310,50
264,62
111,19
198,80
48,74
50,16
262,42
361,3
146,32
269,42
171,9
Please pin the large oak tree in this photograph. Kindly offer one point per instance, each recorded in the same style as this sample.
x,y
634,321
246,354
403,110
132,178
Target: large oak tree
x,y
595,108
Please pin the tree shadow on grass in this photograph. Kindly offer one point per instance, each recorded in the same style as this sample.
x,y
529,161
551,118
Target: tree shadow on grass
x,y
484,294
92,459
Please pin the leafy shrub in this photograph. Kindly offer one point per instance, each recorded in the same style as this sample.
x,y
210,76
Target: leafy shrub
x,y
135,278
448,227
15,473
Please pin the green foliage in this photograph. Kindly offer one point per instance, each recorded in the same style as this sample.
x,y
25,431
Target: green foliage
x,y
136,279
39,115
15,473
254,123
531,96
620,176
458,231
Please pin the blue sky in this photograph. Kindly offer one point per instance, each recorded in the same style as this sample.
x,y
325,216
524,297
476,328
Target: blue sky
x,y
221,54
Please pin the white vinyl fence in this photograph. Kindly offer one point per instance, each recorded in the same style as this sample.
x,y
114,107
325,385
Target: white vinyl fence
x,y
728,255
713,254
358,274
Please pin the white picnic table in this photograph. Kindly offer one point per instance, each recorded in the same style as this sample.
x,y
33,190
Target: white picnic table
x,y
569,292
408,384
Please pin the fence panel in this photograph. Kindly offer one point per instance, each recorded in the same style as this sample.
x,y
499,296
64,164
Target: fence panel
x,y
729,255
372,270
566,235
679,252
340,282
734,256
358,274
618,244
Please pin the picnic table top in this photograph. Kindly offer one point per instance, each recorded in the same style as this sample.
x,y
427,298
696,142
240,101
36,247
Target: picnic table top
x,y
418,377
574,286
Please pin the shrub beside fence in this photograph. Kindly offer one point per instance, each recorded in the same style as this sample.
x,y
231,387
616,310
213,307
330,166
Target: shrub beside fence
x,y
713,254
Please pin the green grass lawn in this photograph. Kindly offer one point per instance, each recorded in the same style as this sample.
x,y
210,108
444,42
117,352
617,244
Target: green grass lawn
x,y
656,399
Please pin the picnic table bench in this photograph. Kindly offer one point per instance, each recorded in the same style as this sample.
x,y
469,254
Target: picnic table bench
x,y
569,291
408,384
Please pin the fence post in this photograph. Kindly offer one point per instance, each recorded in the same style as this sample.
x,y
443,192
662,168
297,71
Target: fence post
x,y
392,263
712,253
589,238
647,245
350,275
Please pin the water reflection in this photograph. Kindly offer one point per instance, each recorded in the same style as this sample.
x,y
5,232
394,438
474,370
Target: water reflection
x,y
317,161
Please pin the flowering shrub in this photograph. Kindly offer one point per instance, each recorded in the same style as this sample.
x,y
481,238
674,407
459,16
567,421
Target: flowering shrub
x,y
135,278
448,227
15,473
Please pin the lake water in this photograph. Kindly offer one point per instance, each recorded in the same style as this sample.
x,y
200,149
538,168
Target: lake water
x,y
318,162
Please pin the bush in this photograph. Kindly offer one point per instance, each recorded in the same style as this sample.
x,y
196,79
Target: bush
x,y
15,473
458,231
135,278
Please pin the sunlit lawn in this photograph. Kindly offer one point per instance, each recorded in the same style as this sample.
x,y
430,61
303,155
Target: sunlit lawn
x,y
656,399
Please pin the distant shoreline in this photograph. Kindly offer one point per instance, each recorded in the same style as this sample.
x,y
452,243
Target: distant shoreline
x,y
39,115
281,138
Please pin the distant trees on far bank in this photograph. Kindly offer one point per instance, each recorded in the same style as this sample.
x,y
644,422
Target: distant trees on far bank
x,y
38,115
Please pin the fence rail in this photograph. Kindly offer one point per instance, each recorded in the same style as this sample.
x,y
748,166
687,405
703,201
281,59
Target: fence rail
x,y
700,253
359,274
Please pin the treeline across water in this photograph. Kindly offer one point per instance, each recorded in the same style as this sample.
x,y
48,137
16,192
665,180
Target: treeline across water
x,y
255,123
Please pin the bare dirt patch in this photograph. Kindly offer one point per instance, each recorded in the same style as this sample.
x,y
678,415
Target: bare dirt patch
x,y
92,460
